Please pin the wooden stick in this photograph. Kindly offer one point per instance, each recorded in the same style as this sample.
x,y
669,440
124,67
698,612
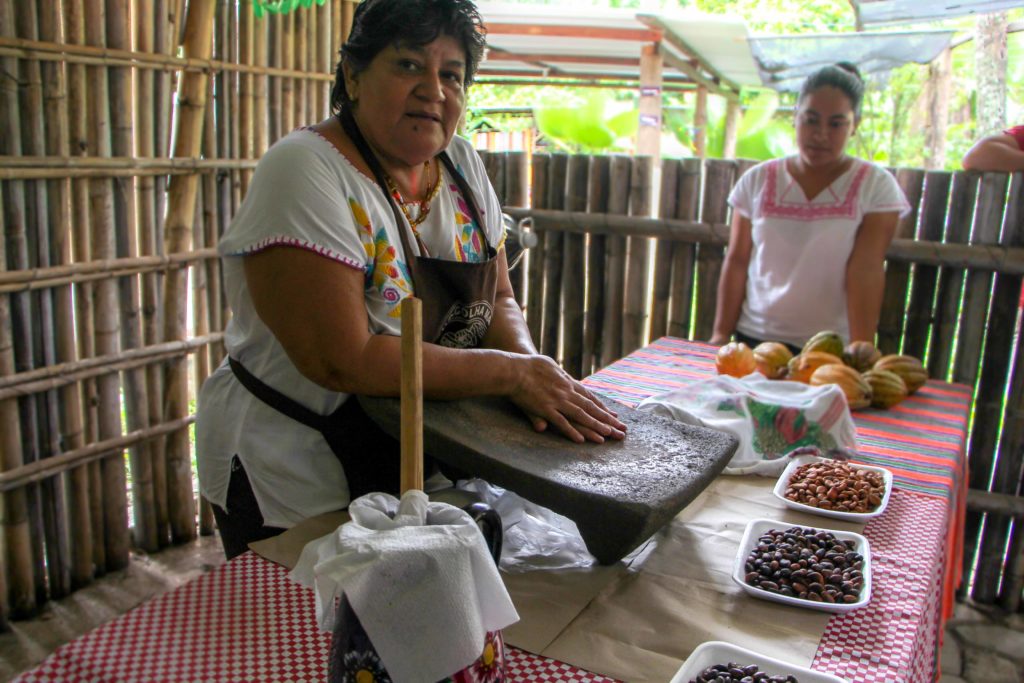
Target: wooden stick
x,y
246,52
638,250
260,86
897,276
535,275
597,201
553,251
412,394
615,264
574,269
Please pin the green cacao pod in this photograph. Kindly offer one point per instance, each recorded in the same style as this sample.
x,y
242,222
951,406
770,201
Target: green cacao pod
x,y
861,355
772,359
887,388
827,341
908,368
857,390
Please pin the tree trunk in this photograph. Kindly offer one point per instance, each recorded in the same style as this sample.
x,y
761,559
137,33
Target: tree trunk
x,y
940,78
990,67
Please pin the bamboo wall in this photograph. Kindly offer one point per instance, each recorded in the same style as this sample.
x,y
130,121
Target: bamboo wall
x,y
598,287
128,134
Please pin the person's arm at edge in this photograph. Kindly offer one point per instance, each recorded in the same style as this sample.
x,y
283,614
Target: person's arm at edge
x,y
332,346
732,283
995,153
865,274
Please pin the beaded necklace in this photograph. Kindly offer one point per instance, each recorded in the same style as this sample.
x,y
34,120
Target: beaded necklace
x,y
415,211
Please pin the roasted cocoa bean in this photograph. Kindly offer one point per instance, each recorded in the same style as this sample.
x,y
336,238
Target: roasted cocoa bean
x,y
836,486
732,672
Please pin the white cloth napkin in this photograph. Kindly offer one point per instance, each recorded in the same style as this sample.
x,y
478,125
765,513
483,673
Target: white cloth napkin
x,y
419,577
771,418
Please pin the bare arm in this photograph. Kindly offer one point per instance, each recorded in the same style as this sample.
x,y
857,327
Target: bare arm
x,y
732,284
995,153
865,274
332,346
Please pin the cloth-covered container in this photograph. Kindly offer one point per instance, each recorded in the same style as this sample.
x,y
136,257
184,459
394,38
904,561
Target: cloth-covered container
x,y
771,418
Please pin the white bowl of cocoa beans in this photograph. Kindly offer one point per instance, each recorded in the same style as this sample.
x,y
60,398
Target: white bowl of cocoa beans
x,y
839,489
810,567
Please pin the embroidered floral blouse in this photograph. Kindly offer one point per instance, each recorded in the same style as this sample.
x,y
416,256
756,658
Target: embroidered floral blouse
x,y
306,194
796,280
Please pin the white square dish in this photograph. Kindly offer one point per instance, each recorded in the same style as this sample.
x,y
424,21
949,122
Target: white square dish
x,y
757,527
787,474
716,652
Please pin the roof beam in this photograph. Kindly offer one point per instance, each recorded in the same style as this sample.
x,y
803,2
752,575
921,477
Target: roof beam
x,y
545,59
687,67
562,31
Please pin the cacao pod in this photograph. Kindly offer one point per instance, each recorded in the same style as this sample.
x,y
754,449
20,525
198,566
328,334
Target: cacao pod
x,y
910,370
736,359
772,359
861,355
804,364
887,388
857,390
827,341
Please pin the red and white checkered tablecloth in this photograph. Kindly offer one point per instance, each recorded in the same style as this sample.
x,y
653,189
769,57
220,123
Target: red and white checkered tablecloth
x,y
244,621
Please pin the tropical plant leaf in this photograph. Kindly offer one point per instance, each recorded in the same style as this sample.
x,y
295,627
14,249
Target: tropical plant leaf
x,y
759,112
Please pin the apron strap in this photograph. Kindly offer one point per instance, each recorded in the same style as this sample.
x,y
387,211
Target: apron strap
x,y
276,400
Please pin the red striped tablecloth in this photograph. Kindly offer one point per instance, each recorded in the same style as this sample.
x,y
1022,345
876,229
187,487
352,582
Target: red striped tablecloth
x,y
916,544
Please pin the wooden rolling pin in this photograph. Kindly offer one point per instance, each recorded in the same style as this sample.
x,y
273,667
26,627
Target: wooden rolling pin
x,y
412,395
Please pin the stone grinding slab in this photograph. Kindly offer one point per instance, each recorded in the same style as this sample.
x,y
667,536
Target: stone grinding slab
x,y
619,493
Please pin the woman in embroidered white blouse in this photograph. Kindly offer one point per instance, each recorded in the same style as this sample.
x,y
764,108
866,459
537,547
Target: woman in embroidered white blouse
x,y
809,232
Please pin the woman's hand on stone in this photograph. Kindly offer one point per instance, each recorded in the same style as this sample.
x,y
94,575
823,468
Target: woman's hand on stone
x,y
550,397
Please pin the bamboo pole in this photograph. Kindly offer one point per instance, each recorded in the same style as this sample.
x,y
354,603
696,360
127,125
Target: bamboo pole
x,y
72,428
108,327
922,290
205,224
275,26
180,214
989,415
74,31
412,396
288,85
126,244
19,209
323,60
246,54
574,268
260,85
516,194
719,176
228,51
597,202
337,37
28,280
347,9
553,252
951,278
661,286
615,289
638,257
535,275
300,60
897,276
684,256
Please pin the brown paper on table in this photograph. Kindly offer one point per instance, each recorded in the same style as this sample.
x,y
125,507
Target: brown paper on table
x,y
682,594
285,549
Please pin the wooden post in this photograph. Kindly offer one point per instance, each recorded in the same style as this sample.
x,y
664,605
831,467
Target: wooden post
x,y
300,61
648,137
246,100
732,125
940,80
553,251
192,89
288,85
275,44
684,254
597,192
897,275
719,179
261,85
412,395
922,291
323,61
347,9
535,275
639,255
516,194
662,282
700,122
992,419
574,269
615,291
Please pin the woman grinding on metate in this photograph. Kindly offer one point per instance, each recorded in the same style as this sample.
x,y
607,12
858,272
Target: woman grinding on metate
x,y
343,220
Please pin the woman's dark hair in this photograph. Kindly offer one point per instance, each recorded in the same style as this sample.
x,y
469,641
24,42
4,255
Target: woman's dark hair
x,y
376,24
843,76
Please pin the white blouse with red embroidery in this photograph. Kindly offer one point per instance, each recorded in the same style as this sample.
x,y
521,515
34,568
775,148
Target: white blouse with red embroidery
x,y
796,280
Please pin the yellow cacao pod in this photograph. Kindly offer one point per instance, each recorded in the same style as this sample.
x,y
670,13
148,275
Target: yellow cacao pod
x,y
772,359
910,370
857,390
804,364
827,341
736,359
887,388
861,355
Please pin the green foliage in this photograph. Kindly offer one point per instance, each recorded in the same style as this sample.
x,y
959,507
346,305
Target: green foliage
x,y
260,7
587,122
761,134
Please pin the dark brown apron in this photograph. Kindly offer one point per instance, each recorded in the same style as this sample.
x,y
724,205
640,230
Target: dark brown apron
x,y
458,305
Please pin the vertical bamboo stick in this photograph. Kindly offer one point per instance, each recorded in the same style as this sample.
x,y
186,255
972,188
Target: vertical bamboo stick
x,y
347,9
535,276
684,254
226,50
990,413
922,291
662,282
597,202
553,251
204,226
219,140
337,37
715,209
286,59
192,90
574,268
153,91
303,41
74,31
51,492
323,60
261,84
246,55
275,25
639,256
59,191
615,290
897,275
126,244
108,329
516,193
